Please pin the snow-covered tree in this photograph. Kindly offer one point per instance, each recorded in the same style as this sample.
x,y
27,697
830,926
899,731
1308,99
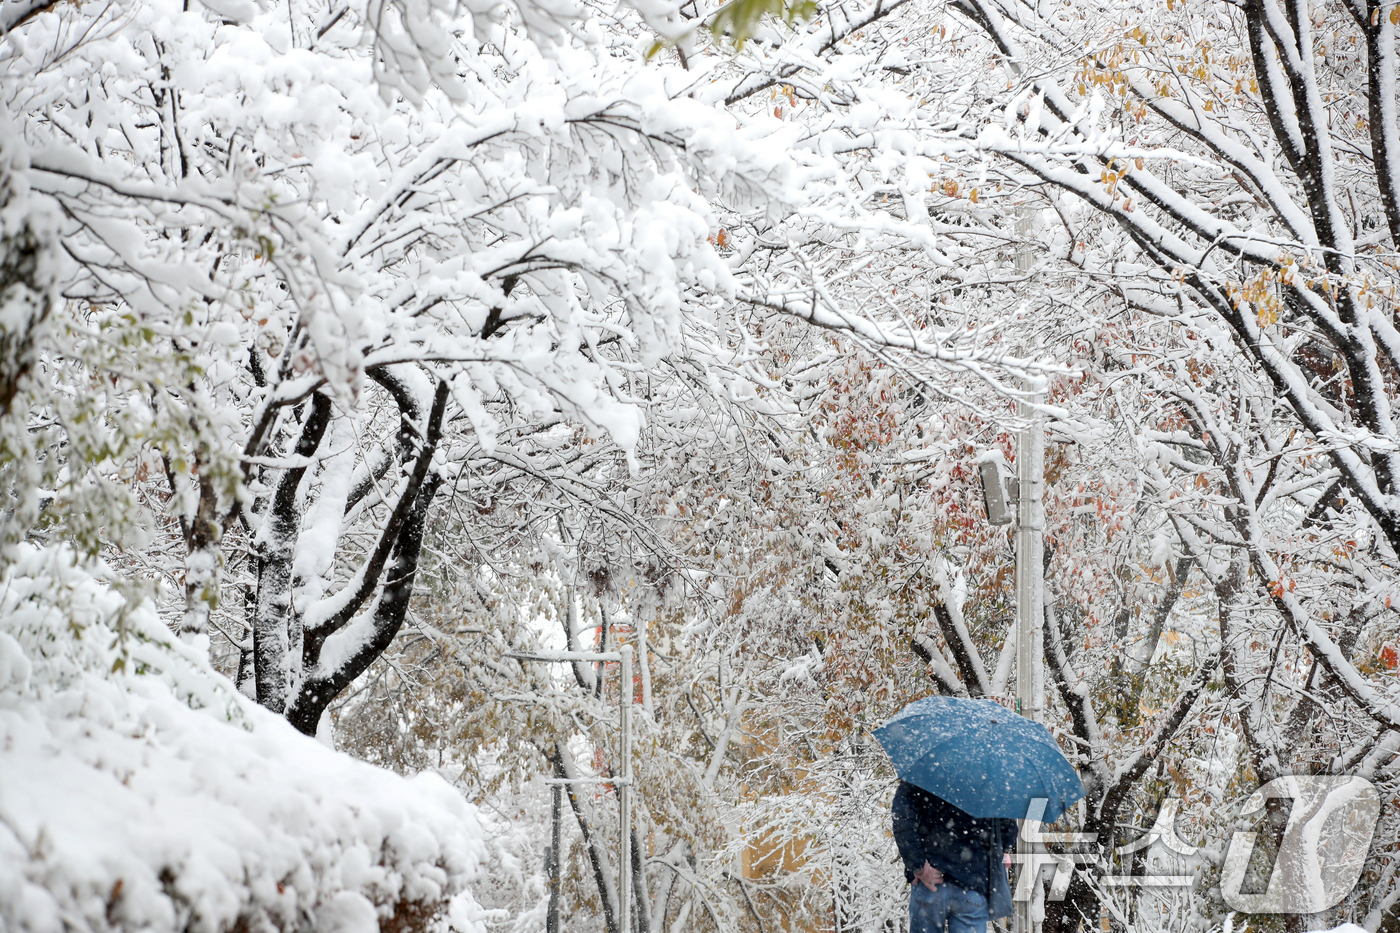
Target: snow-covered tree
x,y
399,339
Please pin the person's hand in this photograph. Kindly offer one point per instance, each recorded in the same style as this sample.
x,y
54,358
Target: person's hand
x,y
929,876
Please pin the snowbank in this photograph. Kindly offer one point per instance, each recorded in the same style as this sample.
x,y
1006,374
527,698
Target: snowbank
x,y
140,791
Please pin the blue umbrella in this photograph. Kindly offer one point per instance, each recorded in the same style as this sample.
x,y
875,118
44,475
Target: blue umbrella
x,y
980,757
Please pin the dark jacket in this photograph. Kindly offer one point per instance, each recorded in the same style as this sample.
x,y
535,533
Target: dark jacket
x,y
967,850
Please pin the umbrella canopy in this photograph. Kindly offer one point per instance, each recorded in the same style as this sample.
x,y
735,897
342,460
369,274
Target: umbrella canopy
x,y
980,757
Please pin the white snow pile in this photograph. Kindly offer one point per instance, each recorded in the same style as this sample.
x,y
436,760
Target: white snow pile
x,y
140,791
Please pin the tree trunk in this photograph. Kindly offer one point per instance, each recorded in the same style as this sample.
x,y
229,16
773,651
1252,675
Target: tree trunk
x,y
272,612
552,864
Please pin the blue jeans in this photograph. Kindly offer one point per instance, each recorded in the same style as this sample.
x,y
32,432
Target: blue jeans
x,y
956,909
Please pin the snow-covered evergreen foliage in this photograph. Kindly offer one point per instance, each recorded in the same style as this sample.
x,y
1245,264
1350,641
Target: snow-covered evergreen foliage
x,y
141,791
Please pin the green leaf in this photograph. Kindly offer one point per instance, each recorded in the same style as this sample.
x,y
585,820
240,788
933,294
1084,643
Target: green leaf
x,y
739,19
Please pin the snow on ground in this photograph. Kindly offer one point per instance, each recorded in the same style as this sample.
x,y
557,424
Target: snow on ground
x,y
140,791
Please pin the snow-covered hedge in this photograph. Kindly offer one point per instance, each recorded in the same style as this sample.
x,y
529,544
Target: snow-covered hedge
x,y
140,791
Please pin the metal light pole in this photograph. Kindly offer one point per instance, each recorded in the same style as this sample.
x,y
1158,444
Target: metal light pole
x,y
1029,493
1030,557
622,783
1030,595
1030,519
624,795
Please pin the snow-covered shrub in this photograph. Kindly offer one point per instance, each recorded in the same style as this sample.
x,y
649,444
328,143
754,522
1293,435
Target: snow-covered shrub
x,y
140,791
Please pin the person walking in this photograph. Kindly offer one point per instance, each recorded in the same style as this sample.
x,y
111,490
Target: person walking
x,y
954,862
968,768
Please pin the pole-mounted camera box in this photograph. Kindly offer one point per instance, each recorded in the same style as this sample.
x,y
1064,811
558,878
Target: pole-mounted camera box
x,y
997,496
